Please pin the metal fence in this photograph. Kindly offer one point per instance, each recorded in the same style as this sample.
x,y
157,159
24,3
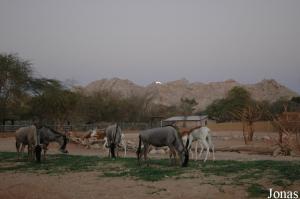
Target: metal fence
x,y
86,127
9,128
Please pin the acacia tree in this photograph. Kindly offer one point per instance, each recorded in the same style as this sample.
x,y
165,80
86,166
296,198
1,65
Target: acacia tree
x,y
15,78
99,106
249,115
53,102
220,110
137,108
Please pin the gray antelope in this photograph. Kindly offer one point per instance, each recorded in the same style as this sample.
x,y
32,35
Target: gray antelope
x,y
38,139
113,135
26,136
160,137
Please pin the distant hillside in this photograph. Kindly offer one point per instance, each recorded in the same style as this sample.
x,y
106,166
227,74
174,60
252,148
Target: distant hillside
x,y
170,93
125,88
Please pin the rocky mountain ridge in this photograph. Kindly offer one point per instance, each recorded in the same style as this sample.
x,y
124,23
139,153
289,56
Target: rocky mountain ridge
x,y
170,93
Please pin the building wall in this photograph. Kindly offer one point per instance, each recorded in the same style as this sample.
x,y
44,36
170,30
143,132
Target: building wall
x,y
191,124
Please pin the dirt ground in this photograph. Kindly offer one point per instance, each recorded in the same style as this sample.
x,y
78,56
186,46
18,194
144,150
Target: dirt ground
x,y
220,139
92,185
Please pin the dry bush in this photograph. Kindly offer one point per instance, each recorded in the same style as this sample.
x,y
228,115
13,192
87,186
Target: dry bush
x,y
288,141
248,115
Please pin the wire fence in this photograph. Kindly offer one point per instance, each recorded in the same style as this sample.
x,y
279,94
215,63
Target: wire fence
x,y
264,126
86,127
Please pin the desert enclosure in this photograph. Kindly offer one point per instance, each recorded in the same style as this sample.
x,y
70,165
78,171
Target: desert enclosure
x,y
86,172
149,99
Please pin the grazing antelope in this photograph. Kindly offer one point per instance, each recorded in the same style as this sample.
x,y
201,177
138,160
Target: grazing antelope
x,y
164,136
203,136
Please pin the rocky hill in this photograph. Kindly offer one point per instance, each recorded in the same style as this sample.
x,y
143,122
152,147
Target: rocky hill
x,y
170,93
125,88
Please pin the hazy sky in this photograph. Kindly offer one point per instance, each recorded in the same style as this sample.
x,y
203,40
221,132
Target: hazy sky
x,y
162,40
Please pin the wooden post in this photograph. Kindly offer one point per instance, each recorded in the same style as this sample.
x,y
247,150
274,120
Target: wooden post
x,y
280,136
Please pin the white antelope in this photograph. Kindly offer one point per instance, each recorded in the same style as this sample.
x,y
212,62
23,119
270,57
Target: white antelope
x,y
203,136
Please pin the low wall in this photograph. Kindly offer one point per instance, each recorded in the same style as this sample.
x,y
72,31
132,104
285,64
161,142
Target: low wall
x,y
264,126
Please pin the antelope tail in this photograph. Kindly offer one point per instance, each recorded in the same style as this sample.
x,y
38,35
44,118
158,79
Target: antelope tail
x,y
138,152
113,144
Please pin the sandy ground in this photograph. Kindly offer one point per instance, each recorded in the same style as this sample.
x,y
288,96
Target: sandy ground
x,y
92,185
220,139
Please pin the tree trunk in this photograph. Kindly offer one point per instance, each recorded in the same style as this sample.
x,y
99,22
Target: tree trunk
x,y
280,136
244,134
3,125
251,131
297,138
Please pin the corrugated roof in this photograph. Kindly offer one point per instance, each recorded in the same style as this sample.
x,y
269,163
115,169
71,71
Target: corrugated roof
x,y
187,118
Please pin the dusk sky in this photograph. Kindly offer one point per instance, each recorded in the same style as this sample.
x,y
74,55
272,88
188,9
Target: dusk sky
x,y
156,40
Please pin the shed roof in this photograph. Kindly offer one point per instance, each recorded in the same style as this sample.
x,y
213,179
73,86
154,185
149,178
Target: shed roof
x,y
187,118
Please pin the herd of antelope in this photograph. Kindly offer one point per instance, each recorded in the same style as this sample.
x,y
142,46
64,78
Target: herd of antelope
x,y
179,142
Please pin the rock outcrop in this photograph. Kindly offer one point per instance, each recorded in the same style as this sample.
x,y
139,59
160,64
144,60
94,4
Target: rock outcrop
x,y
170,93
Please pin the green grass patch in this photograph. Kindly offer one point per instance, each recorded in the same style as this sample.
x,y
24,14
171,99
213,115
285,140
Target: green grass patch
x,y
238,172
53,165
282,183
256,190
